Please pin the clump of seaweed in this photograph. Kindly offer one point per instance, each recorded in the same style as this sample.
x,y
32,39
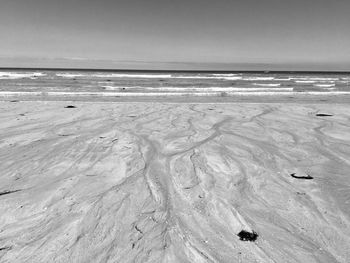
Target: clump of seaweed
x,y
307,177
247,236
323,115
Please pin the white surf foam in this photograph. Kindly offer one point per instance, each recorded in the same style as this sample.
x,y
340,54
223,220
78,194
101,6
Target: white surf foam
x,y
17,75
315,78
167,94
69,75
153,76
147,76
226,75
166,76
324,85
258,78
267,84
305,81
284,79
209,77
196,89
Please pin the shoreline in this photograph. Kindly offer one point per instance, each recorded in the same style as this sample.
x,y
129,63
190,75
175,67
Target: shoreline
x,y
298,98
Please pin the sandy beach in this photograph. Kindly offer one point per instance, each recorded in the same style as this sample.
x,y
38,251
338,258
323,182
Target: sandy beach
x,y
174,131
170,182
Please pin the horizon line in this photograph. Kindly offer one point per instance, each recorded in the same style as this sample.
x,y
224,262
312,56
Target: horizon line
x,y
176,70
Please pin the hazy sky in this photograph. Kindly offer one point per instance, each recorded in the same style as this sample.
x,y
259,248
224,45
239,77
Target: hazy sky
x,y
202,32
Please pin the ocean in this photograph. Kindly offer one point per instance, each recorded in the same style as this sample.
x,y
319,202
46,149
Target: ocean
x,y
144,83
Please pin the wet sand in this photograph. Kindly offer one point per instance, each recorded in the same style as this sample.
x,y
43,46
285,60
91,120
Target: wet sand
x,y
156,182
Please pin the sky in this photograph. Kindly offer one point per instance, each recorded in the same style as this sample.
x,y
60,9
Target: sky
x,y
182,34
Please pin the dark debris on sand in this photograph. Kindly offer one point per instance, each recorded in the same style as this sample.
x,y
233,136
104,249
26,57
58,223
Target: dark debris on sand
x,y
70,107
247,236
6,192
323,115
5,248
307,177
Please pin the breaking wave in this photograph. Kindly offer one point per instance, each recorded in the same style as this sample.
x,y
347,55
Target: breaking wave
x,y
324,85
267,84
196,89
17,75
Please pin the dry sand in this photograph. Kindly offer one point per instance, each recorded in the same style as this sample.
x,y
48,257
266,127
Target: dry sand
x,y
153,182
